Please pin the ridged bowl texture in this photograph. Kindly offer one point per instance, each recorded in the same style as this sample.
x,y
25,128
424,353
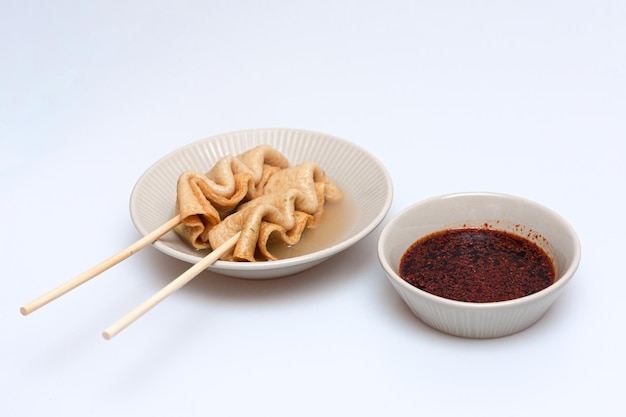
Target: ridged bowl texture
x,y
504,212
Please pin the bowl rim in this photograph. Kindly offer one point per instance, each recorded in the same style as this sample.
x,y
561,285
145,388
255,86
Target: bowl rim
x,y
280,263
554,288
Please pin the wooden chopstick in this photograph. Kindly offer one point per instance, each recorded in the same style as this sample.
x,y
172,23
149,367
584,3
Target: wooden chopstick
x,y
101,267
170,288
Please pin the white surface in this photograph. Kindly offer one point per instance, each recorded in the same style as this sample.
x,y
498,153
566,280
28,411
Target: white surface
x,y
368,193
525,98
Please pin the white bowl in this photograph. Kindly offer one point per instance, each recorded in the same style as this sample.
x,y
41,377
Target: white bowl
x,y
505,212
363,179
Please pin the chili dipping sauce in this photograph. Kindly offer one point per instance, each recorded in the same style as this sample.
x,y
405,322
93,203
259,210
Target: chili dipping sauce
x,y
477,265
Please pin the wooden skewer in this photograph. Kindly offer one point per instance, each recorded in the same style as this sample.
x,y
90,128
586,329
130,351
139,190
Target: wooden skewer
x,y
172,287
101,267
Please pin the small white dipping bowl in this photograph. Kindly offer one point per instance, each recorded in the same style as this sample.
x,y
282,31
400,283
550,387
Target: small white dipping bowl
x,y
499,211
363,179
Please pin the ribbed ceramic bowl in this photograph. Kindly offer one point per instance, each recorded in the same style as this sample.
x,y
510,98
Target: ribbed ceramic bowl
x,y
500,211
363,179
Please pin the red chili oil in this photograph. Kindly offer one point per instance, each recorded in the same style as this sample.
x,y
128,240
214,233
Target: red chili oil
x,y
477,265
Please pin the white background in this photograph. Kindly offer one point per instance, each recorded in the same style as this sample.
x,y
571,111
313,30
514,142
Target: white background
x,y
526,98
